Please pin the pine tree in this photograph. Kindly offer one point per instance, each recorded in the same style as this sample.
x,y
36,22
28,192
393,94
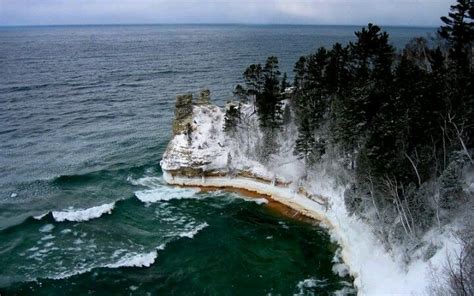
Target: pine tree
x,y
306,141
300,73
241,93
459,33
284,82
231,118
337,73
269,100
254,80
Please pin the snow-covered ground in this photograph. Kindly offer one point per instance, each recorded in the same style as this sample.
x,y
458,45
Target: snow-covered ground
x,y
376,270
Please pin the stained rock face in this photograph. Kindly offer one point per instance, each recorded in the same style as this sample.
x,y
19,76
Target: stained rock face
x,y
183,113
204,97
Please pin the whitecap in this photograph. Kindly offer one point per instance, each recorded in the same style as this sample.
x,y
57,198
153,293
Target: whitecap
x,y
50,244
39,217
146,181
48,237
306,286
257,200
79,215
126,260
166,193
345,291
46,228
340,269
193,232
135,260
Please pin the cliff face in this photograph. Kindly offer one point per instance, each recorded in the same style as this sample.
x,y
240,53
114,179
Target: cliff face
x,y
200,154
183,113
197,145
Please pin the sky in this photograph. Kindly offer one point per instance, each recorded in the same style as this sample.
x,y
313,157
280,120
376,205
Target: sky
x,y
322,12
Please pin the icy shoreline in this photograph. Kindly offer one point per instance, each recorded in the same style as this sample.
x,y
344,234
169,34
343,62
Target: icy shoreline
x,y
374,270
200,154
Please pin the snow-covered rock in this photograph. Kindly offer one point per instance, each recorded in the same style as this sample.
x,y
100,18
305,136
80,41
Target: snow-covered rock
x,y
200,158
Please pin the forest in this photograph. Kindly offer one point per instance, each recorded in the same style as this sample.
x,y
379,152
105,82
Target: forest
x,y
401,122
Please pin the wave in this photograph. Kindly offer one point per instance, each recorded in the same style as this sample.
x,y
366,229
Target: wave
x,y
39,217
306,286
161,192
79,215
131,259
121,258
257,200
193,232
137,260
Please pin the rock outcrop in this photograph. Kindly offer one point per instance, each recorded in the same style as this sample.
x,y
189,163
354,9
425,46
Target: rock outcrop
x,y
183,113
204,97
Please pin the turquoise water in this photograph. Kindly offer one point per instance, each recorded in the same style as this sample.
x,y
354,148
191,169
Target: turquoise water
x,y
181,242
85,116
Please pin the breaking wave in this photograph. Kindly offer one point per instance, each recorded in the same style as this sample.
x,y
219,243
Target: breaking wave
x,y
159,191
79,215
137,260
193,232
130,259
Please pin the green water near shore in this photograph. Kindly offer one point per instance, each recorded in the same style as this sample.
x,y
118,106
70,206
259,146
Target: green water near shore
x,y
185,242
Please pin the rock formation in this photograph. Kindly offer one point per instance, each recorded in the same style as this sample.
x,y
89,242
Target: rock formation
x,y
183,114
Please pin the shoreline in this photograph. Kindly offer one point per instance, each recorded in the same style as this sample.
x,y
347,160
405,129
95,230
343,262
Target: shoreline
x,y
272,204
286,197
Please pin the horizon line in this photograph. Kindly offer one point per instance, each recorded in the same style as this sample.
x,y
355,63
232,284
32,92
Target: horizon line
x,y
213,24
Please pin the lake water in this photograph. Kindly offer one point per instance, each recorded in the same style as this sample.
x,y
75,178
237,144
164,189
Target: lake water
x,y
85,115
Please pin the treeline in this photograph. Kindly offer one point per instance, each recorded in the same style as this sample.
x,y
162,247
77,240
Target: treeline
x,y
403,123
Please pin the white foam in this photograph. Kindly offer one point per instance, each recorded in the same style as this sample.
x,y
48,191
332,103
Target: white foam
x,y
47,228
193,232
257,200
39,217
345,291
340,269
135,260
48,237
150,182
79,215
166,193
128,260
307,284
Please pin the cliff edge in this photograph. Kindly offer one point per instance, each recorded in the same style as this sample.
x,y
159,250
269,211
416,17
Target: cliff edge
x,y
201,154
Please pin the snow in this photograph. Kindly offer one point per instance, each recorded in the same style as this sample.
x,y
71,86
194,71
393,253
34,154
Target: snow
x,y
376,271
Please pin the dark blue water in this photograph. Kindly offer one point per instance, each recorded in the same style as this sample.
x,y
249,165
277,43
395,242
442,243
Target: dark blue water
x,y
85,115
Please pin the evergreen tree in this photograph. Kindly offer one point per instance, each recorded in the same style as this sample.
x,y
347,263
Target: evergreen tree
x,y
300,73
241,93
305,142
231,118
459,33
284,82
337,73
254,80
269,100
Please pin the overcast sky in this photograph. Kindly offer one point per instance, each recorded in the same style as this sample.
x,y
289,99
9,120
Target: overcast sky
x,y
332,12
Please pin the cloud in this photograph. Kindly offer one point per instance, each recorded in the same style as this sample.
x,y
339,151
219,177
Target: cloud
x,y
358,12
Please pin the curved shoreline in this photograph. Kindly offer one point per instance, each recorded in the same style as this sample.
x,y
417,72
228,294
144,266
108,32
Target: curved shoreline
x,y
283,195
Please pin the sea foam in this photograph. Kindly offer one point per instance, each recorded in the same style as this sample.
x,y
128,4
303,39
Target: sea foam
x,y
160,192
136,260
79,215
193,232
